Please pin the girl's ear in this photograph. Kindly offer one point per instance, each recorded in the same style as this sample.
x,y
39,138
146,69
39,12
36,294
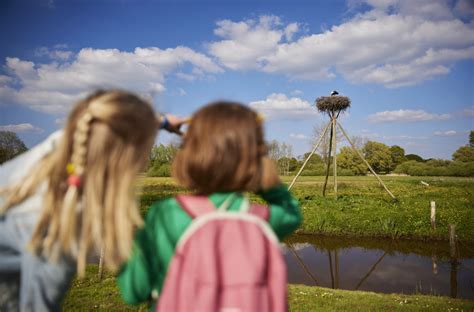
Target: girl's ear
x,y
269,175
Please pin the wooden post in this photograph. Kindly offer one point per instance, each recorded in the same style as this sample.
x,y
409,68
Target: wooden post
x,y
334,137
101,263
434,260
336,269
433,215
365,161
454,260
452,241
311,154
329,159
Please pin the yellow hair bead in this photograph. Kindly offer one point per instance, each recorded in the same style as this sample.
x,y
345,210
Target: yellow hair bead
x,y
260,118
70,168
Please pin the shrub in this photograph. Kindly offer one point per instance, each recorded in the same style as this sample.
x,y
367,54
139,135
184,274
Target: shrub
x,y
158,170
437,167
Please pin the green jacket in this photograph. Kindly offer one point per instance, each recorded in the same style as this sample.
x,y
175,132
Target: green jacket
x,y
165,222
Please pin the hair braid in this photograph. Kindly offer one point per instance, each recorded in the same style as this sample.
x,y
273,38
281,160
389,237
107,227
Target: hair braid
x,y
76,170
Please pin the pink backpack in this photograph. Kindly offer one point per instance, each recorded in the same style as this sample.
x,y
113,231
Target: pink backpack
x,y
225,261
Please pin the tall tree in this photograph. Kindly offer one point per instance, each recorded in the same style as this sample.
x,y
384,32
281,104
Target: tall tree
x,y
398,156
10,146
378,155
464,153
349,159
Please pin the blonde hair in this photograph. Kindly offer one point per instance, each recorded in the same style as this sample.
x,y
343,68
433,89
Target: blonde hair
x,y
89,203
224,150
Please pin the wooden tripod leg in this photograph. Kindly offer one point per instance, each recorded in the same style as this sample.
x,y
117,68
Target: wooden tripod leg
x,y
329,159
365,161
334,139
311,154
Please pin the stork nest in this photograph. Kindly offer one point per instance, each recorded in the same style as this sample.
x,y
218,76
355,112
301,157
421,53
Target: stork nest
x,y
332,103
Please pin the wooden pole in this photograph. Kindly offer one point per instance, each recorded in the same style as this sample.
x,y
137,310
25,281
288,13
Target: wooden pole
x,y
329,159
452,241
336,268
101,263
454,261
365,161
433,215
434,261
311,154
334,138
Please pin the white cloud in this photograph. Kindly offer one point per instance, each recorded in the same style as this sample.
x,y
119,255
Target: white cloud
x,y
298,136
468,112
24,127
464,8
60,121
54,54
396,43
368,134
5,79
450,133
181,92
247,43
405,137
278,105
297,92
53,87
406,115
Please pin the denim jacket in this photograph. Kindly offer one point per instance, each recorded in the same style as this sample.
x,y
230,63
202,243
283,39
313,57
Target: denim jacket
x,y
42,284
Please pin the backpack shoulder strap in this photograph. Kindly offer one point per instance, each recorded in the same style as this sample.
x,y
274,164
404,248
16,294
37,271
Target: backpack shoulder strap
x,y
195,206
261,211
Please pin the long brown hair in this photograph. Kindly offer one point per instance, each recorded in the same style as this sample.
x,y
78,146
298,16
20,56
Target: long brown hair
x,y
89,203
224,150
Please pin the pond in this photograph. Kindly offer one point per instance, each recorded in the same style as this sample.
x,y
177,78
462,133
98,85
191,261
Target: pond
x,y
381,265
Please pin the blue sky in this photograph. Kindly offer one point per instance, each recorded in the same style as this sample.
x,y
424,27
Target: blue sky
x,y
406,65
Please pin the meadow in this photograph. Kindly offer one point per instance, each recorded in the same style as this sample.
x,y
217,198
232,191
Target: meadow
x,y
363,209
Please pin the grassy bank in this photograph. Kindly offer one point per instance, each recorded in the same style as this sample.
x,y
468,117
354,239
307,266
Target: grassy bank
x,y
92,294
363,208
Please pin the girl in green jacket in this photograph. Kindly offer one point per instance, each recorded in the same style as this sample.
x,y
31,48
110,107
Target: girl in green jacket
x,y
223,153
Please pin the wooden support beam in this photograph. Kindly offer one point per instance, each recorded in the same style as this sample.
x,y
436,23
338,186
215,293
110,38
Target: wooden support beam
x,y
365,161
311,154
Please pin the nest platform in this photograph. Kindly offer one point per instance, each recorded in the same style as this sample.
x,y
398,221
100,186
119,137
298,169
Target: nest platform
x,y
333,103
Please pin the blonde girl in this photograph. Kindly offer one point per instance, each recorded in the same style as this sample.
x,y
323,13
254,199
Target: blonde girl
x,y
73,195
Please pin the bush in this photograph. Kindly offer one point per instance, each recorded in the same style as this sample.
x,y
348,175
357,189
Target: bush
x,y
163,170
314,170
437,167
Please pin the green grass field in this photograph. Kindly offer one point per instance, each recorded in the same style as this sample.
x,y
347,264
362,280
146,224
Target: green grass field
x,y
362,209
91,293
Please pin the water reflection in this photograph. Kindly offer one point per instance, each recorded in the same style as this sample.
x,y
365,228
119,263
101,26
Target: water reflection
x,y
380,265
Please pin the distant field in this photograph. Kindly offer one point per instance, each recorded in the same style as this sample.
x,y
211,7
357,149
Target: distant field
x,y
364,208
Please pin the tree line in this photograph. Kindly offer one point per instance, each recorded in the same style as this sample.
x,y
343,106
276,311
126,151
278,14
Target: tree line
x,y
384,159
